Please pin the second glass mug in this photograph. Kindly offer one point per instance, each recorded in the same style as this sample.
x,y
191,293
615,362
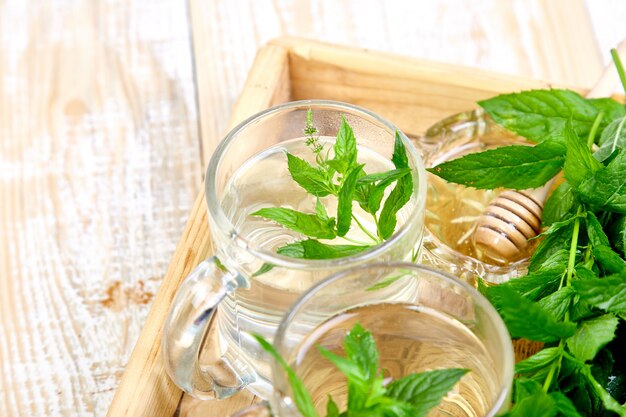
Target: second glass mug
x,y
255,303
421,319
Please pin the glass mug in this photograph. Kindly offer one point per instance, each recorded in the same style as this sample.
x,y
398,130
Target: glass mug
x,y
421,319
248,171
452,210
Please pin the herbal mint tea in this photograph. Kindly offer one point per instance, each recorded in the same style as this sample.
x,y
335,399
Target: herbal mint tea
x,y
410,339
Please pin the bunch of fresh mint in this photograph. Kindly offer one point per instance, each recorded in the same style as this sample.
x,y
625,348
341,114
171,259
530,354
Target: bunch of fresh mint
x,y
574,296
346,179
411,396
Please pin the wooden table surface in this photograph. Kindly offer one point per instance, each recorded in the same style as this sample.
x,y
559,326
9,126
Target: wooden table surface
x,y
109,111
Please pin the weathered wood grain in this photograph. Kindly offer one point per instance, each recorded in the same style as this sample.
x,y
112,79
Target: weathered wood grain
x,y
145,376
99,149
99,165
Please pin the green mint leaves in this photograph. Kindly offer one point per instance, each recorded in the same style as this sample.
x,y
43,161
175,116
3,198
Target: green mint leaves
x,y
425,390
314,249
343,178
400,194
540,114
411,396
574,296
345,149
518,167
301,396
308,224
314,180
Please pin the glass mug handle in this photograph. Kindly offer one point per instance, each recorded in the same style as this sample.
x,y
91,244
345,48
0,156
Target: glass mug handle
x,y
186,328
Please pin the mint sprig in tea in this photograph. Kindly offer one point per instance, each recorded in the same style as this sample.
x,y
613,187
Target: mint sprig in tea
x,y
323,197
323,180
353,375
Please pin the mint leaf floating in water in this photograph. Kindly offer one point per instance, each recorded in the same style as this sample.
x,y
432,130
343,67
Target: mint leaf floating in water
x,y
301,396
345,149
314,249
313,179
399,196
411,396
425,390
307,224
344,205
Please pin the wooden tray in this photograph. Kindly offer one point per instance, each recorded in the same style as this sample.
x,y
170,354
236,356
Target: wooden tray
x,y
411,93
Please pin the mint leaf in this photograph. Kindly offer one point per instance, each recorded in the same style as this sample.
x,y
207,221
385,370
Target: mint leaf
x,y
596,234
264,269
516,166
608,294
556,226
564,405
425,390
345,148
551,246
611,108
537,367
399,158
370,195
312,179
301,396
527,319
539,404
559,206
358,384
606,188
524,387
613,138
537,284
320,211
400,194
331,408
580,164
617,233
389,176
344,205
538,361
398,197
610,261
361,349
558,302
591,336
538,114
307,224
313,249
584,371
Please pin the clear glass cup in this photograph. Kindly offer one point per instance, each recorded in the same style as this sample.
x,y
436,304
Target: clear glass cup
x,y
421,319
452,210
254,303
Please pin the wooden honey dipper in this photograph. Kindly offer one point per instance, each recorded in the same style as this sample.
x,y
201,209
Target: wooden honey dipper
x,y
511,219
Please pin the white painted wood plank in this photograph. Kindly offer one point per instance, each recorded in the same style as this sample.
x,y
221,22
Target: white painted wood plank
x,y
99,166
